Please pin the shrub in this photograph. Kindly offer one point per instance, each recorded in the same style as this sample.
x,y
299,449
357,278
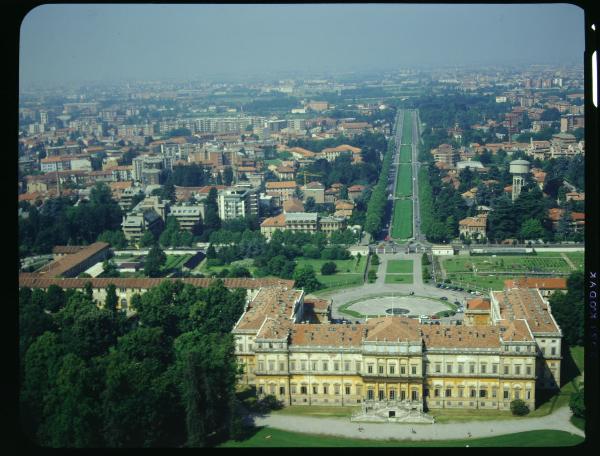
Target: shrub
x,y
375,260
328,268
577,404
519,408
268,403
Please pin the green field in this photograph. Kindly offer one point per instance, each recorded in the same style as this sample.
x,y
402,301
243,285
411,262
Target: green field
x,y
407,128
404,180
398,278
405,154
402,220
271,437
176,261
490,264
349,272
246,263
401,266
577,258
343,266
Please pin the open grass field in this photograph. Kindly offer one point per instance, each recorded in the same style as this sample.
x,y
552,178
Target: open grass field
x,y
343,266
577,258
317,410
482,282
271,437
398,278
399,266
402,220
340,280
405,154
404,181
507,264
407,128
350,272
246,263
175,261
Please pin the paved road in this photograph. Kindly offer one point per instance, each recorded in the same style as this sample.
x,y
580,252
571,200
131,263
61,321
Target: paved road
x,y
559,420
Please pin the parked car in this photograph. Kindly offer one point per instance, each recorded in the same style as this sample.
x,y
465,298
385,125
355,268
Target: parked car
x,y
444,298
412,293
457,303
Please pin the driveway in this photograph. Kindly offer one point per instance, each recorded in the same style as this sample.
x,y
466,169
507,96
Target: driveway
x,y
559,420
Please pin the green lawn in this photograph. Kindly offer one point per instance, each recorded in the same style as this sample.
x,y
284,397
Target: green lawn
x,y
402,220
402,266
340,280
343,266
398,278
405,154
271,437
407,128
175,261
246,263
577,258
404,180
509,264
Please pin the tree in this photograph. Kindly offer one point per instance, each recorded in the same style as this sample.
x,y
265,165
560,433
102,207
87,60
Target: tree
x,y
154,260
55,298
568,309
531,229
115,238
305,278
207,372
211,253
227,176
310,205
577,404
73,418
147,239
328,268
112,299
519,407
375,259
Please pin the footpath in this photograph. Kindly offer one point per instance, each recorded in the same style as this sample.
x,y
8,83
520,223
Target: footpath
x,y
558,420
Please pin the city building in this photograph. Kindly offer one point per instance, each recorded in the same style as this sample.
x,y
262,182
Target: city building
x,y
473,227
238,201
74,263
188,216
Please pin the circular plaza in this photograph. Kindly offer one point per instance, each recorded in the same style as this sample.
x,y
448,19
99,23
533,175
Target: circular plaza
x,y
394,305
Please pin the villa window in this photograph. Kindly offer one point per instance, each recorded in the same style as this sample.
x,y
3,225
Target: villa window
x,y
494,392
314,366
505,396
346,366
303,365
461,391
303,389
482,393
370,394
517,394
357,366
261,366
414,370
347,389
483,368
473,392
517,370
528,370
403,370
438,368
449,368
381,395
293,389
324,389
293,365
380,369
325,365
460,368
415,395
281,390
505,370
392,370
436,392
315,389
336,366
271,366
494,368
272,389
336,389
281,366
553,350
448,392
370,368
472,368
392,394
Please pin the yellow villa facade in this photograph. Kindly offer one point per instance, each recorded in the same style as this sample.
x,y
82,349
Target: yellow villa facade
x,y
476,366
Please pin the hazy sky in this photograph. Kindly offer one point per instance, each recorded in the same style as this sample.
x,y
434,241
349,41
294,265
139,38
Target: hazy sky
x,y
108,42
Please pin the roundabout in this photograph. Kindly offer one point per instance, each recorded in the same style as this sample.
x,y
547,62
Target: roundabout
x,y
406,305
